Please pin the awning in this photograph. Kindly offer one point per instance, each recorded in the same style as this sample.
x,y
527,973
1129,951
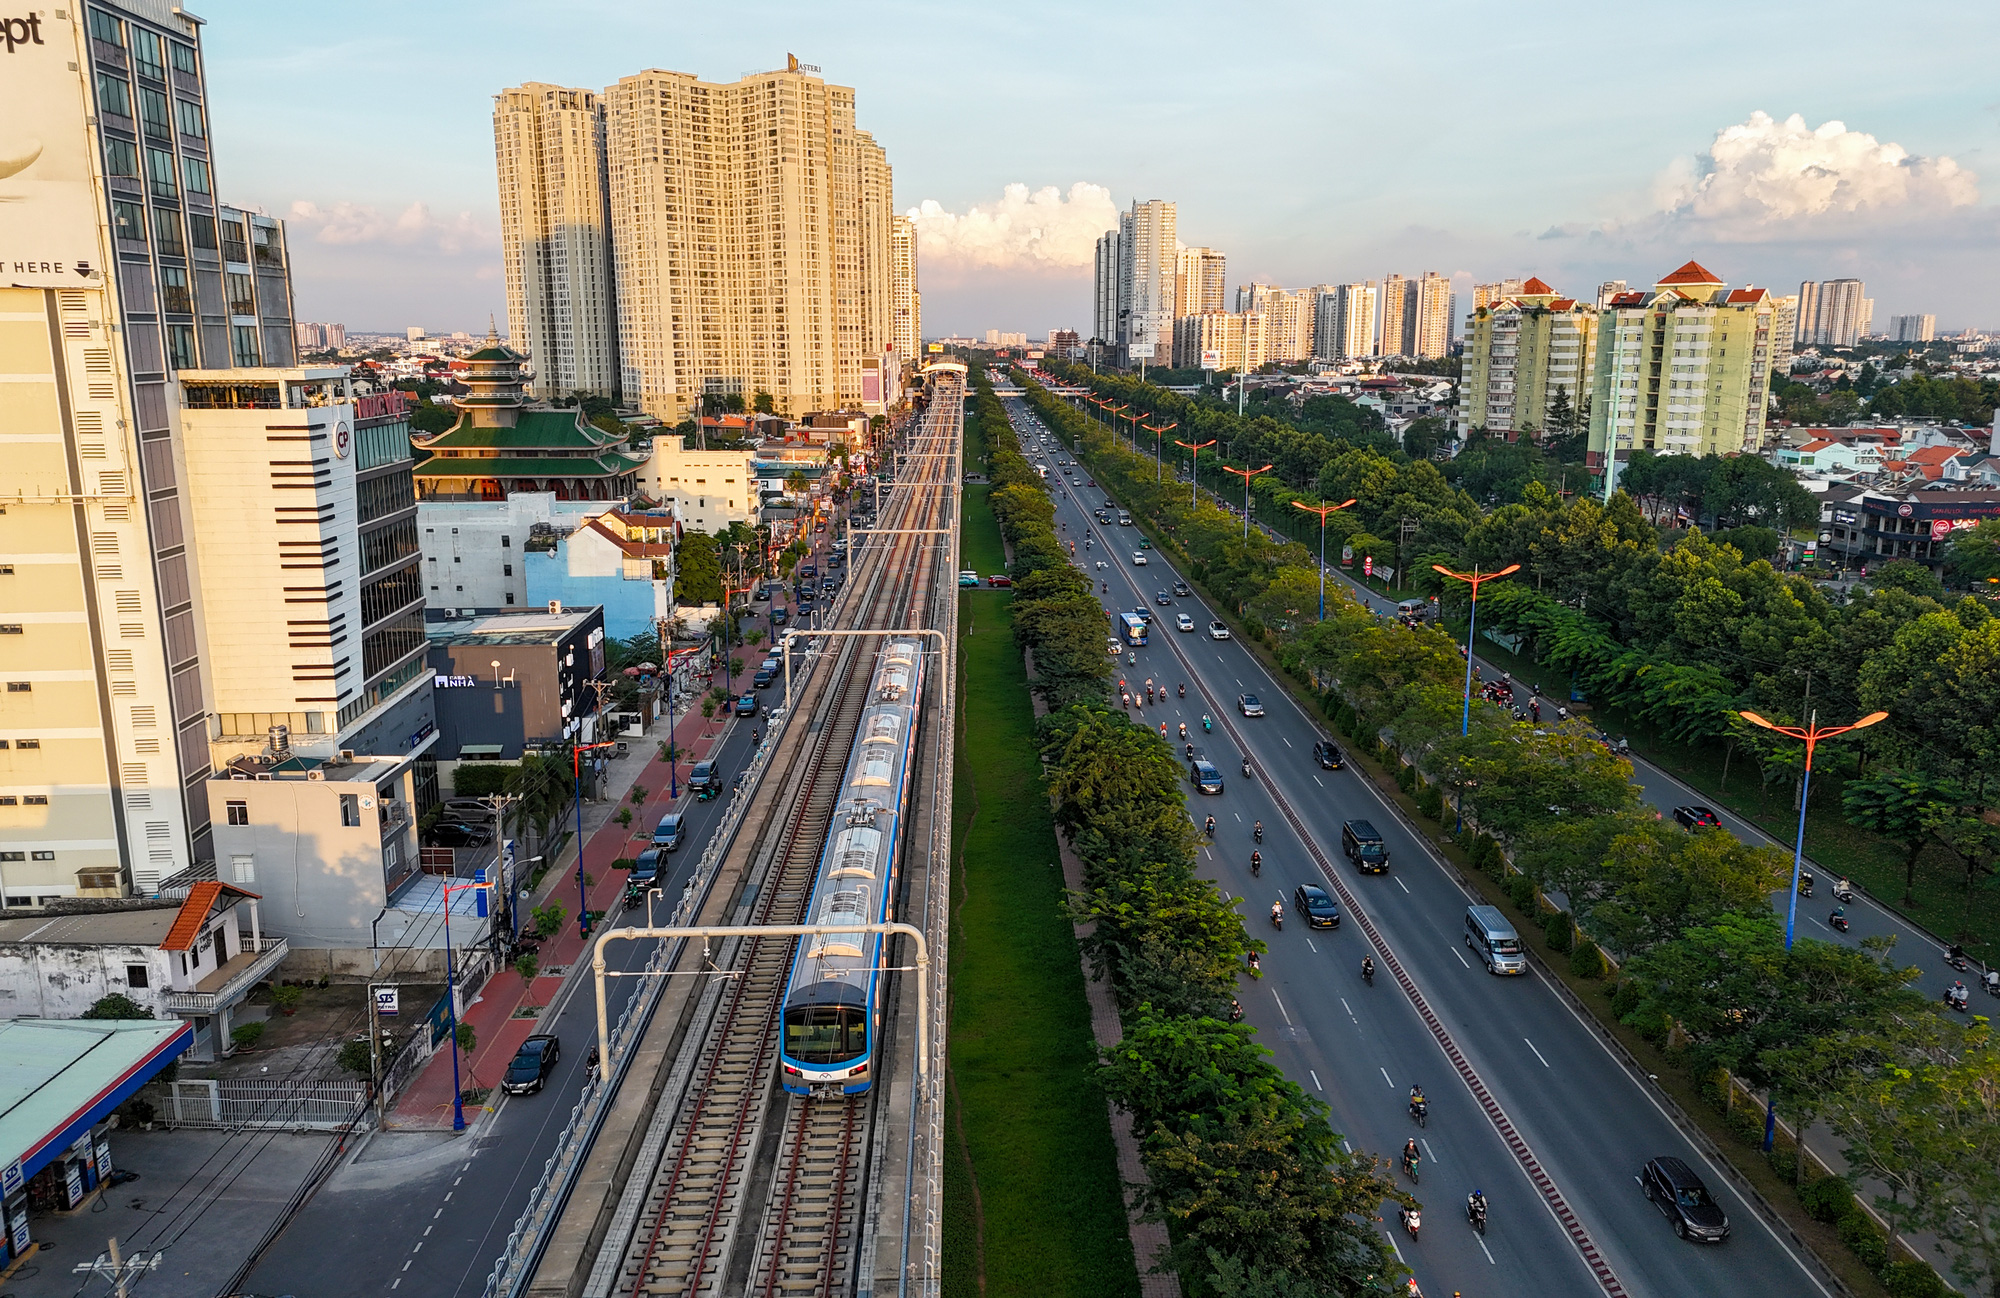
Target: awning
x,y
60,1077
466,752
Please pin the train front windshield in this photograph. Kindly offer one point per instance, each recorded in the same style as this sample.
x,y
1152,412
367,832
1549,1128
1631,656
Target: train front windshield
x,y
828,1034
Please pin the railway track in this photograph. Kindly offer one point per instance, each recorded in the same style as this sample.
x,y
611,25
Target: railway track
x,y
713,1222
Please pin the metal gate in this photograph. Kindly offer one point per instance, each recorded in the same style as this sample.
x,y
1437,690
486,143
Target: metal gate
x,y
320,1106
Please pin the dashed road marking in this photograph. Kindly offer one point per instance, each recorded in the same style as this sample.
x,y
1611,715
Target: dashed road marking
x,y
1538,1054
1461,957
1315,1077
1281,1007
1386,1077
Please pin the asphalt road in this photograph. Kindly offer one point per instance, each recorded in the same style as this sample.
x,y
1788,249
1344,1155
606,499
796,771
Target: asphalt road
x,y
1589,1121
433,1217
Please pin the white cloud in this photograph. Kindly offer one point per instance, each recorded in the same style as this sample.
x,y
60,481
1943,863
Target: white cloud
x,y
356,223
1763,172
1043,229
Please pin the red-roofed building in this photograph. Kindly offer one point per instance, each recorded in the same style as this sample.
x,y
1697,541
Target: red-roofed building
x,y
1521,350
1691,274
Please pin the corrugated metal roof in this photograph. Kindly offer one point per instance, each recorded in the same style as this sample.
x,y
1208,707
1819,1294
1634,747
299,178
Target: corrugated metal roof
x,y
59,1076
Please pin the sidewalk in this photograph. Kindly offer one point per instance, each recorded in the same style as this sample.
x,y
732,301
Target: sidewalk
x,y
497,1033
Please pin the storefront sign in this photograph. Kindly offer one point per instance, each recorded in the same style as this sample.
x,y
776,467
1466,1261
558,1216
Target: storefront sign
x,y
388,1002
454,682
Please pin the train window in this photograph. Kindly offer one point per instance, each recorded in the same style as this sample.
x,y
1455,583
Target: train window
x,y
826,1035
883,729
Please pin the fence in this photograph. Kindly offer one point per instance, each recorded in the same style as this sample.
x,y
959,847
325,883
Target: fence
x,y
317,1106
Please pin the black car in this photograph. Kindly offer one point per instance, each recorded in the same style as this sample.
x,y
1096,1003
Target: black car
x,y
1316,906
705,780
1162,598
1328,755
1697,817
1677,1192
532,1063
452,833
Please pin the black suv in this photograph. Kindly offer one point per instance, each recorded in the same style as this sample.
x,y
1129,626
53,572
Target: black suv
x,y
1697,817
1676,1191
450,833
1328,755
1316,906
1364,846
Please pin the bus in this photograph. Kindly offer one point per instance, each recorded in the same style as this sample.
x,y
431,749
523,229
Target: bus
x,y
1134,627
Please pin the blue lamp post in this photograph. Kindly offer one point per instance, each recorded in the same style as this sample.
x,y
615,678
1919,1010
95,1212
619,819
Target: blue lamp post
x,y
481,888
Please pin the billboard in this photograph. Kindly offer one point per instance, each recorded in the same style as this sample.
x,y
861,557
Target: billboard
x,y
937,347
48,219
1211,360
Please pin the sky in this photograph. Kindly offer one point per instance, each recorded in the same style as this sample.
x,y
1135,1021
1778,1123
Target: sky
x,y
1311,143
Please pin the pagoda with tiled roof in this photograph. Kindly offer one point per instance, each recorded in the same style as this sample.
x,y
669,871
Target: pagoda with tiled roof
x,y
503,443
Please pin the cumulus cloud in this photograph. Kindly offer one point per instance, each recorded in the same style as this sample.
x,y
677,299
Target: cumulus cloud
x,y
1038,230
1763,172
357,223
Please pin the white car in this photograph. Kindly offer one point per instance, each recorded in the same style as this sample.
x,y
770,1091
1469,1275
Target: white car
x,y
1217,631
1139,559
1182,622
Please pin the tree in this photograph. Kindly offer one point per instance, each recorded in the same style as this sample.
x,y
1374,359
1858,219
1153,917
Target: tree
x,y
1661,882
428,418
1908,575
116,1007
1974,555
698,570
1903,806
796,482
764,403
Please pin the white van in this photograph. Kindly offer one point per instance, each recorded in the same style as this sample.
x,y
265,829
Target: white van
x,y
1498,946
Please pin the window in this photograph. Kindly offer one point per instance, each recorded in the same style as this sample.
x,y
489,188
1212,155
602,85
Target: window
x,y
242,297
238,811
105,28
120,158
114,95
13,856
350,810
174,297
195,172
188,113
10,628
244,868
23,743
167,233
180,346
41,856
510,597
34,799
183,56
128,220
153,115
506,570
9,800
506,542
234,247
137,976
201,231
160,174
20,687
244,338
147,54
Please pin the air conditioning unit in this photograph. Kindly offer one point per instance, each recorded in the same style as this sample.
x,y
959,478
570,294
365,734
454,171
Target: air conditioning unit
x,y
555,607
264,776
315,774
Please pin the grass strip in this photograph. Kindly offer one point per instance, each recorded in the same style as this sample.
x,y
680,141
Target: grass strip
x,y
979,548
1035,1196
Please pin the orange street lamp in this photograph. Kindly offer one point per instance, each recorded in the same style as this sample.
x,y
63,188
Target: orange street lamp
x,y
1246,475
1113,409
1194,450
1159,447
1322,511
1472,579
1812,732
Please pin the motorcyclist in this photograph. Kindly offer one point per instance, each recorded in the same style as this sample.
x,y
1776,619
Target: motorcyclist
x,y
1410,1156
1256,861
1208,827
1255,963
1190,752
1278,913
1246,768
1419,1106
1206,724
1843,890
1957,996
1257,831
1413,1220
1183,691
1368,969
1839,918
1475,1210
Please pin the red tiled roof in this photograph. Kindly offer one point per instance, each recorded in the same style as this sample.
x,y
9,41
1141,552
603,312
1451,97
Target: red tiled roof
x,y
1817,446
1691,273
1562,304
1746,294
1935,455
194,912
1536,286
1628,299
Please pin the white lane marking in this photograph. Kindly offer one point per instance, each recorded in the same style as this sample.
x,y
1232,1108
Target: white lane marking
x,y
1484,1249
397,1283
1281,1007
1538,1054
1239,682
447,1196
440,1211
1386,1077
1461,957
406,1265
1309,942
1349,1008
456,1180
1404,886
428,1229
1392,1244
1238,815
1315,1077
1428,1151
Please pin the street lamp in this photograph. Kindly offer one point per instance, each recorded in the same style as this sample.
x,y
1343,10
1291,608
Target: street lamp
x,y
1159,448
1323,511
1246,475
576,753
1812,732
1472,579
1194,450
451,984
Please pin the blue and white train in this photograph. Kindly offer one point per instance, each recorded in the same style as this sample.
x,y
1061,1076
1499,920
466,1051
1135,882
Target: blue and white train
x,y
833,999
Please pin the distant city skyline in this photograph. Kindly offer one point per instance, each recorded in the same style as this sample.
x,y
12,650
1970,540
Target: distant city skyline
x,y
1817,167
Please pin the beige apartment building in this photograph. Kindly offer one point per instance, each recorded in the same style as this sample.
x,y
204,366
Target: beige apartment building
x,y
1201,281
555,236
1344,322
1239,339
1288,321
1430,334
1520,351
906,304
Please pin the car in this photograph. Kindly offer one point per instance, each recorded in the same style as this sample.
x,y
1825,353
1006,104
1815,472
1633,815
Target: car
x,y
763,595
1138,558
470,810
1328,755
1145,544
1162,598
778,615
452,833
1316,906
1217,630
766,676
1206,778
1362,844
528,1071
667,834
746,706
1182,622
1697,817
1144,614
805,605
1181,589
968,578
999,581
1249,705
808,570
1678,1193
705,780
1090,482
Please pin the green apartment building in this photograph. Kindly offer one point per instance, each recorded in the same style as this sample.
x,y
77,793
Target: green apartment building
x,y
1519,352
1685,369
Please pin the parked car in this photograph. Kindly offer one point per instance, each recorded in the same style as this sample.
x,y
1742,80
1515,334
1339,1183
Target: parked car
x,y
470,810
451,833
968,578
529,1070
1679,1194
667,834
1182,622
1217,630
1318,908
1328,755
1697,817
999,580
1249,705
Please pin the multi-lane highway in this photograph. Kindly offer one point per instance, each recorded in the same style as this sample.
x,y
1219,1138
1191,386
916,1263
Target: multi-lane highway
x,y
1527,1104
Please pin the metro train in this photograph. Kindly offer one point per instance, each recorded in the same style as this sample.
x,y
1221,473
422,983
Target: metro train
x,y
833,998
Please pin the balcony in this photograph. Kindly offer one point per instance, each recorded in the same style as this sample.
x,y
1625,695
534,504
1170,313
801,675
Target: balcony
x,y
233,981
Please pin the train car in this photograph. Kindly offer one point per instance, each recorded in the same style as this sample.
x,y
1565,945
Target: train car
x,y
833,999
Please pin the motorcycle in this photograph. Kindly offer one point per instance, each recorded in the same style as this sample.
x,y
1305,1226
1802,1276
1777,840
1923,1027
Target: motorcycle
x,y
1838,919
1257,863
1257,831
1183,691
1235,1010
1246,768
1255,962
1843,892
1957,997
1277,915
1368,970
1805,883
1420,1111
1410,1165
1475,1211
1413,1218
1208,827
1956,958
1206,724
1992,982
